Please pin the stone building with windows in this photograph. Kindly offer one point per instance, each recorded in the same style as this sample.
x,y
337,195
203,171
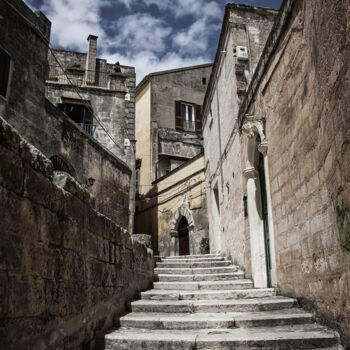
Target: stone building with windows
x,y
277,154
100,98
68,264
168,134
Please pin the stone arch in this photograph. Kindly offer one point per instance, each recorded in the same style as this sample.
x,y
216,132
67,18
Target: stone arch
x,y
60,163
182,211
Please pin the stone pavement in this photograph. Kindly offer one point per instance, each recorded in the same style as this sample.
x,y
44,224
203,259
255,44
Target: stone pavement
x,y
204,302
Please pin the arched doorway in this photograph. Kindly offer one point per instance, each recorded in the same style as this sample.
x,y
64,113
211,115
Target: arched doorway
x,y
184,240
182,220
259,206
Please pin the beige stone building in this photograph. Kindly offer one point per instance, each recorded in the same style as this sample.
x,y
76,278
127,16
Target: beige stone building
x,y
168,137
245,30
99,97
176,210
278,189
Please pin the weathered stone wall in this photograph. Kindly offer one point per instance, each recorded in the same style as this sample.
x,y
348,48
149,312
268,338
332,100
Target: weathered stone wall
x,y
89,159
228,230
107,98
160,215
182,85
24,35
66,270
305,97
178,144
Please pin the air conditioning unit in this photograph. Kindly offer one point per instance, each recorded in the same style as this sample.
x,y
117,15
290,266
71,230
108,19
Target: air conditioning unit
x,y
242,53
127,142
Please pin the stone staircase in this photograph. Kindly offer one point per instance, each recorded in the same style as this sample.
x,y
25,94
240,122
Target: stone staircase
x,y
204,302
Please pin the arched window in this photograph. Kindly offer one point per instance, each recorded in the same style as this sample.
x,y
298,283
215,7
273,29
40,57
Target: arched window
x,y
60,164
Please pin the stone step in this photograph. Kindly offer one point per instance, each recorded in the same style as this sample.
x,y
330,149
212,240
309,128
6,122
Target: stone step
x,y
200,256
202,264
205,285
233,305
200,277
191,260
156,294
306,336
196,271
215,320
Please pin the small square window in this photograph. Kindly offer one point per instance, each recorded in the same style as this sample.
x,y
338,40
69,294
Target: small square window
x,y
5,62
204,81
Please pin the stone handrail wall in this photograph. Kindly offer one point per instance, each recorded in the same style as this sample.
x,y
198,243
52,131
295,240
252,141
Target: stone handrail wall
x,y
66,270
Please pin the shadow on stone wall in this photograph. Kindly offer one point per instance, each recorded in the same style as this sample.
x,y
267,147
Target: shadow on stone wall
x,y
66,270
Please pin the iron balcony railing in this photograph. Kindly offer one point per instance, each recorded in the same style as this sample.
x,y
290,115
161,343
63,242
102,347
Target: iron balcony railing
x,y
89,128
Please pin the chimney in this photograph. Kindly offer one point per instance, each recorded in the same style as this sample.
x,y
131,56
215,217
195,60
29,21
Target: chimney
x,y
90,66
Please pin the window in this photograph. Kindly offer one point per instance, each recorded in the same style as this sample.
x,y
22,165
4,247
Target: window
x,y
5,62
81,114
188,116
204,81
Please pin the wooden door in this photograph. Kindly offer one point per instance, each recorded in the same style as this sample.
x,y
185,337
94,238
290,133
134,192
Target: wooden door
x,y
184,242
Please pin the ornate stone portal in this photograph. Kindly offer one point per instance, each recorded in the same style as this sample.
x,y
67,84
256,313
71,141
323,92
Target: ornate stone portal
x,y
255,145
182,211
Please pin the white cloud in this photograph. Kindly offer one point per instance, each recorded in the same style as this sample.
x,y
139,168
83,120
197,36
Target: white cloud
x,y
73,20
195,38
140,32
139,39
181,8
147,62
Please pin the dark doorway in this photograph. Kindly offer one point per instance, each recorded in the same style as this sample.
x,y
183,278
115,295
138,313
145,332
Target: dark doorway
x,y
184,242
261,170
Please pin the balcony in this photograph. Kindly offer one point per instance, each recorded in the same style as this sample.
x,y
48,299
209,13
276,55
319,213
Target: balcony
x,y
89,128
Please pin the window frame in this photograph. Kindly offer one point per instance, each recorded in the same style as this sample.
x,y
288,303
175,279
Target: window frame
x,y
9,75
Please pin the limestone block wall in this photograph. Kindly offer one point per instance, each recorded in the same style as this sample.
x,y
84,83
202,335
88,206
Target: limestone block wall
x,y
66,270
24,35
228,229
89,160
305,97
182,193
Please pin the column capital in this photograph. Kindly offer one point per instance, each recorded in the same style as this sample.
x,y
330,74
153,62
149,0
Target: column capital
x,y
262,148
250,173
174,233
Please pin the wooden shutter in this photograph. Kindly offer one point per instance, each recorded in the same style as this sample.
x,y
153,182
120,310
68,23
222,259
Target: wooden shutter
x,y
4,71
198,118
178,117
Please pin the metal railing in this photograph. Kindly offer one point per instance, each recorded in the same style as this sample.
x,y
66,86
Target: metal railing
x,y
89,128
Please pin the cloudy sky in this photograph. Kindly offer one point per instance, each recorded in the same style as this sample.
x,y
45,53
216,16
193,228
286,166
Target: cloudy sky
x,y
151,35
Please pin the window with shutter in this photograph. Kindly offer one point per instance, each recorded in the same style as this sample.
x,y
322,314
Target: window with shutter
x,y
5,61
178,116
198,119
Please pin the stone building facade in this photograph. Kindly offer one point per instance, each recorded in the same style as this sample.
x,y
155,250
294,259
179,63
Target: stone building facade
x,y
100,98
287,157
168,134
176,210
68,264
24,61
247,28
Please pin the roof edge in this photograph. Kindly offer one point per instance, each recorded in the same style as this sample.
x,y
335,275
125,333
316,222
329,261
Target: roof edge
x,y
175,70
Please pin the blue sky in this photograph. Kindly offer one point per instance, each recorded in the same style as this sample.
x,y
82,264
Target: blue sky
x,y
151,35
